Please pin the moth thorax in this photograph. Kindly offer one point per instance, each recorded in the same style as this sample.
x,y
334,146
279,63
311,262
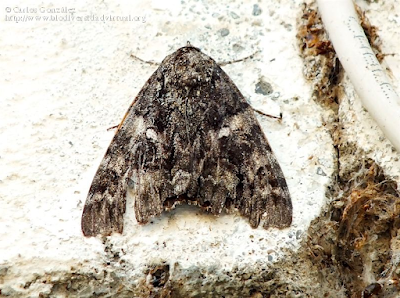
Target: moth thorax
x,y
192,74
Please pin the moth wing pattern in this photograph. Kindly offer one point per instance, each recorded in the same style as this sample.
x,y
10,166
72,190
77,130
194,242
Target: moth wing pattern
x,y
188,137
105,205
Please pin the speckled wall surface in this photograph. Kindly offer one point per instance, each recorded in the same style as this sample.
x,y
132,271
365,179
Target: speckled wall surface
x,y
65,80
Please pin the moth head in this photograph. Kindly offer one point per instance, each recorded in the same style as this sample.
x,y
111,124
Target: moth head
x,y
191,68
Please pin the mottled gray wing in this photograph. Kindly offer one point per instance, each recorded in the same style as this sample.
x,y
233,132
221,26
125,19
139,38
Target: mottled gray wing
x,y
190,136
106,202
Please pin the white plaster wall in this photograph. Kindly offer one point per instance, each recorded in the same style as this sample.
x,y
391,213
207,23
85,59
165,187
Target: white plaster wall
x,y
64,83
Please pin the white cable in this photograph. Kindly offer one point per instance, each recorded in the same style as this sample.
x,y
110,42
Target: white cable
x,y
359,61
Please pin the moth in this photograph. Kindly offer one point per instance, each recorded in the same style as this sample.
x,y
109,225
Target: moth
x,y
188,137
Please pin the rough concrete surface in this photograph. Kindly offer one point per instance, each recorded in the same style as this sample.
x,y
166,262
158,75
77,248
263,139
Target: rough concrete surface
x,y
67,75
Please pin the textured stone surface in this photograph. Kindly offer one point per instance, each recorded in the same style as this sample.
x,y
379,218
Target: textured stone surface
x,y
63,83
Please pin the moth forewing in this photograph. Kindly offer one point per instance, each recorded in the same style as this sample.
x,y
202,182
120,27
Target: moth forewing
x,y
189,136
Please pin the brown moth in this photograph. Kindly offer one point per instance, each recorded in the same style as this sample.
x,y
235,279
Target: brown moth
x,y
188,137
